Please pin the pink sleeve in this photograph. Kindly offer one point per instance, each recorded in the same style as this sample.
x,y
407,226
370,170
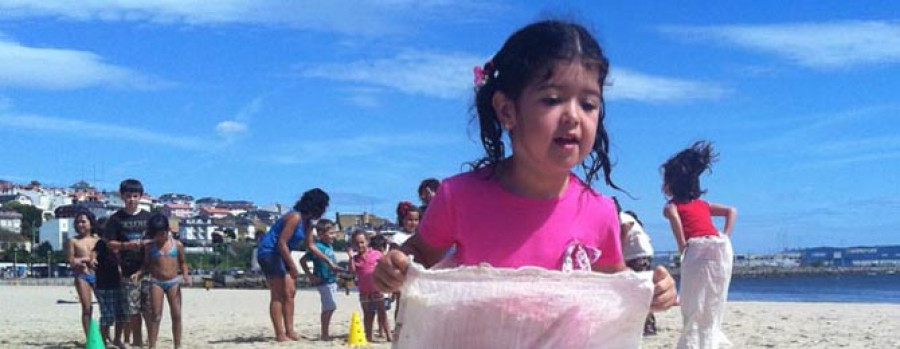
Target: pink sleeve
x,y
437,228
609,240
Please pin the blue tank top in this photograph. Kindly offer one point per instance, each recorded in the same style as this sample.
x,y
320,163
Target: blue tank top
x,y
270,240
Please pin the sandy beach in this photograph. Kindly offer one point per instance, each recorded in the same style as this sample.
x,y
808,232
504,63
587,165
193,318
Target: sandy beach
x,y
34,317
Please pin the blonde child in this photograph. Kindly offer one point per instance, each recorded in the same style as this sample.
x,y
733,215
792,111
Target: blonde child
x,y
544,88
82,259
323,274
163,259
362,263
706,266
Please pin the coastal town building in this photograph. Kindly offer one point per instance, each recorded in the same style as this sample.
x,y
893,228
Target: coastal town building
x,y
859,256
56,231
177,210
197,230
177,199
19,198
10,221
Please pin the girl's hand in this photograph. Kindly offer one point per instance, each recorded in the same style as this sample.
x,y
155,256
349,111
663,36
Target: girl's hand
x,y
294,273
188,280
664,295
314,280
136,277
390,272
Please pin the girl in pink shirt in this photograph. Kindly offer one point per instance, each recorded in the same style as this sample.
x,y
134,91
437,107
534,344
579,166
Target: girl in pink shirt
x,y
544,90
363,265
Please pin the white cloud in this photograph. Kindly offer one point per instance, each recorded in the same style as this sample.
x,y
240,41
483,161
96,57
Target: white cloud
x,y
78,128
628,84
366,18
60,69
341,148
412,72
231,130
818,45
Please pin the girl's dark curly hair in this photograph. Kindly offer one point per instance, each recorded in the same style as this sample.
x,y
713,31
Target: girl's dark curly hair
x,y
313,203
681,173
529,56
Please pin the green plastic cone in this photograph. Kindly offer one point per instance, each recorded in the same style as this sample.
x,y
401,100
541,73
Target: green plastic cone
x,y
94,339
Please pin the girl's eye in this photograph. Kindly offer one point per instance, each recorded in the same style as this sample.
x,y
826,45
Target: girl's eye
x,y
552,100
589,106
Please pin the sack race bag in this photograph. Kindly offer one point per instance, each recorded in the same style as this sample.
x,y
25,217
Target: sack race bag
x,y
484,307
705,277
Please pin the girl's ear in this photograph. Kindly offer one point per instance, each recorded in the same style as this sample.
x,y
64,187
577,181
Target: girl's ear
x,y
505,109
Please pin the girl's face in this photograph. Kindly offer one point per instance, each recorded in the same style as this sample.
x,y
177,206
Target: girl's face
x,y
82,225
411,221
553,124
360,243
426,195
161,236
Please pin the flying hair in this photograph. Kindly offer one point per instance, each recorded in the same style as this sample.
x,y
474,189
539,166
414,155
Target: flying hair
x,y
681,173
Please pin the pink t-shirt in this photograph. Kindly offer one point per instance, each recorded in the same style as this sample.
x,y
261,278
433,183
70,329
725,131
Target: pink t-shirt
x,y
365,268
488,224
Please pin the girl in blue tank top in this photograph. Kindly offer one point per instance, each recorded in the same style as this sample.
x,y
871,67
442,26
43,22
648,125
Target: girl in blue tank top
x,y
274,256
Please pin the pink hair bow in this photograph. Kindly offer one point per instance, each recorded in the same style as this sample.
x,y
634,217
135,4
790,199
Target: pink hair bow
x,y
479,75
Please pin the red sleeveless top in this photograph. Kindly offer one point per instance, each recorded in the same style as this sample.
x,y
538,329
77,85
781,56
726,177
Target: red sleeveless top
x,y
695,219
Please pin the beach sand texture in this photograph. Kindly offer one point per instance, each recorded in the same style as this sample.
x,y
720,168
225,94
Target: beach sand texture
x,y
31,317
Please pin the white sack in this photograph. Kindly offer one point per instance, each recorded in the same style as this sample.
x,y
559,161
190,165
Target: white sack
x,y
485,307
705,276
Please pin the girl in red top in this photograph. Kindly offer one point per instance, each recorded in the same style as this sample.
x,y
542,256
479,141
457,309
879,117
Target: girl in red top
x,y
708,256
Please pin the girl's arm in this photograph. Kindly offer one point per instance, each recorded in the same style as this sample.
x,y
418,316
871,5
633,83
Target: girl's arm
x,y
70,255
671,213
351,263
421,251
309,276
145,266
290,224
182,262
730,214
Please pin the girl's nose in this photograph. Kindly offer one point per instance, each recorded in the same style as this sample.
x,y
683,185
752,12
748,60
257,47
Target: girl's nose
x,y
571,112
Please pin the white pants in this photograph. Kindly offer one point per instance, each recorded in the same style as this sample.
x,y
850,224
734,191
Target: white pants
x,y
705,277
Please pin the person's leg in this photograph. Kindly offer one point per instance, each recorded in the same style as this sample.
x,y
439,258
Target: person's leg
x,y
287,306
382,318
276,297
84,297
365,303
145,305
327,293
156,304
173,294
121,319
325,319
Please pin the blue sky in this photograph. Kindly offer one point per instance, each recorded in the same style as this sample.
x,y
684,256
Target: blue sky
x,y
261,100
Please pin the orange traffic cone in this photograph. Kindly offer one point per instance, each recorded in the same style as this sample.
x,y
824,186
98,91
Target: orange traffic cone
x,y
357,337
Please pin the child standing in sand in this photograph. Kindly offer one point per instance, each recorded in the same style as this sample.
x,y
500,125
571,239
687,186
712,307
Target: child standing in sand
x,y
107,291
163,260
380,243
83,260
638,254
545,90
706,266
323,275
363,265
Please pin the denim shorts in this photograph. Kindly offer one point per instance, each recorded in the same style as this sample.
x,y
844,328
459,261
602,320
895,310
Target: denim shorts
x,y
272,265
326,293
